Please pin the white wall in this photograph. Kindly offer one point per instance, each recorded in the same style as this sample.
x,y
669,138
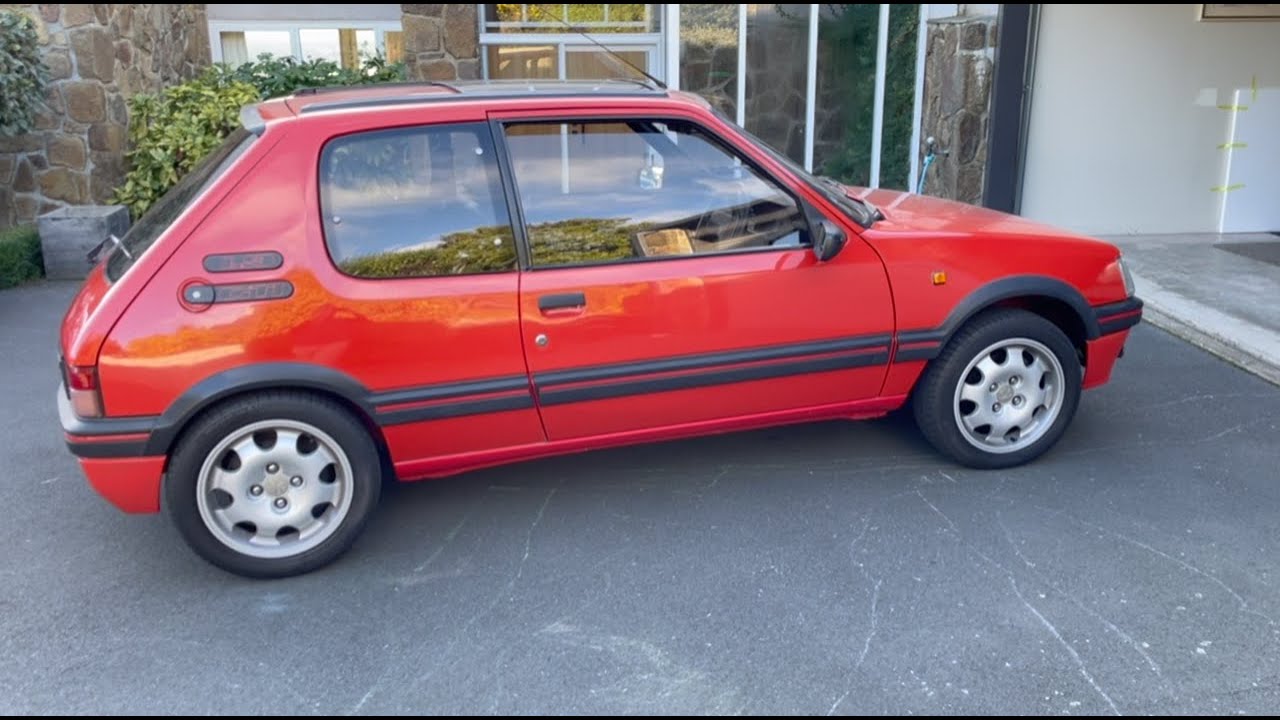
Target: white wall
x,y
1125,121
307,12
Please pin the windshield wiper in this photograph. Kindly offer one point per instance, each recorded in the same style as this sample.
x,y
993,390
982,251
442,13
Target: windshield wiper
x,y
873,212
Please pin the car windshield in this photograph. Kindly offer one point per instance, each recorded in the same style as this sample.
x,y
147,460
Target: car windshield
x,y
167,209
860,211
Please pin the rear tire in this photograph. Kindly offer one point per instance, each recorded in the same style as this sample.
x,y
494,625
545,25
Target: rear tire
x,y
1002,392
274,484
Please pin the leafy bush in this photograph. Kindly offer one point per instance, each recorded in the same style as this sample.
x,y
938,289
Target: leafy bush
x,y
280,76
174,130
20,258
22,74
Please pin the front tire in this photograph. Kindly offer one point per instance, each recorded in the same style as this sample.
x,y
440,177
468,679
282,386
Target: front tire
x,y
1002,391
274,484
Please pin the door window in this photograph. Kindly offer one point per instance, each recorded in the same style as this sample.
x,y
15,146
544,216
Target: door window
x,y
415,202
617,190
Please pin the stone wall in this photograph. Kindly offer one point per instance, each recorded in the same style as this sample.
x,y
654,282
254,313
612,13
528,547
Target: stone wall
x,y
98,57
441,42
957,103
777,76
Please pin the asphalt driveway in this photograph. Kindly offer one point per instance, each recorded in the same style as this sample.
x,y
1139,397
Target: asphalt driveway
x,y
836,567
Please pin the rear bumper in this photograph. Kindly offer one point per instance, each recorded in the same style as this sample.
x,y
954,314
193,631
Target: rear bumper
x,y
112,455
131,484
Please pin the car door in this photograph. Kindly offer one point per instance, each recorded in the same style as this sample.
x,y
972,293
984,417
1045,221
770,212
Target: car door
x,y
670,281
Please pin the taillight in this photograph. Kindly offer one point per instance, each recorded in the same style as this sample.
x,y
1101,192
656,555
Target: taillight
x,y
82,386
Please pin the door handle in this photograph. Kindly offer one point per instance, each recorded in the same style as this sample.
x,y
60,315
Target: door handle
x,y
562,304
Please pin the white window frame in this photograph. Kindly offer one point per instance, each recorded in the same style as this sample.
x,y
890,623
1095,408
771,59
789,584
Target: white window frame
x,y
655,43
380,29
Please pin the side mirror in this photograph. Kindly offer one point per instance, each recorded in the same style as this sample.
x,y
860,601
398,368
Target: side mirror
x,y
827,238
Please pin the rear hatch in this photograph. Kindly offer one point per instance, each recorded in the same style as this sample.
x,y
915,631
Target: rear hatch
x,y
108,289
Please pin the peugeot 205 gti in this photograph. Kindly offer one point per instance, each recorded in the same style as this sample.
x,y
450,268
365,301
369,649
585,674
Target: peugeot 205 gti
x,y
419,280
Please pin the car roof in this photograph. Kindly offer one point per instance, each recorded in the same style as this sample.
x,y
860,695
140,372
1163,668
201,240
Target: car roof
x,y
312,100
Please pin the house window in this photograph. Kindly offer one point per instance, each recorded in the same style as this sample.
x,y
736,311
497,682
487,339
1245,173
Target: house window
x,y
348,43
559,42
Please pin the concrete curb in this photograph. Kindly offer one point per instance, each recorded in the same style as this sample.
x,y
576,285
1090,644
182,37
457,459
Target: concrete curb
x,y
1250,347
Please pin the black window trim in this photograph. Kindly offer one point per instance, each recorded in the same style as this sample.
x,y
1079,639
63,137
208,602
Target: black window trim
x,y
479,125
516,206
249,142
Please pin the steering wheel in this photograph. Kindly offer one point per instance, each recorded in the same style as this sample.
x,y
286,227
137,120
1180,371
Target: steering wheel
x,y
721,220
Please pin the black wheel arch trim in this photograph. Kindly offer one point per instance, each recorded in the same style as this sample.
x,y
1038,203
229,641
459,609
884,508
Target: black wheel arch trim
x,y
251,377
1021,286
994,292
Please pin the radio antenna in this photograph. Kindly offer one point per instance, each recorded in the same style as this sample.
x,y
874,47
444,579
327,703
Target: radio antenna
x,y
597,43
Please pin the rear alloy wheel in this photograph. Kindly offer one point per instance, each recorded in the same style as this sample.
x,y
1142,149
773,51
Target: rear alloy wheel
x,y
273,485
274,489
1002,392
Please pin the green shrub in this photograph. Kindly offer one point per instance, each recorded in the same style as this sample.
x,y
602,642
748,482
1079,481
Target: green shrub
x,y
169,133
172,131
22,74
20,258
280,76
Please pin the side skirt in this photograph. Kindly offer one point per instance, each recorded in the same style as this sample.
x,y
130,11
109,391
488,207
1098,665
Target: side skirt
x,y
444,466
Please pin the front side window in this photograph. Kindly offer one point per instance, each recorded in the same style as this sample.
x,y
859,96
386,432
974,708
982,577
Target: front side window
x,y
615,190
417,202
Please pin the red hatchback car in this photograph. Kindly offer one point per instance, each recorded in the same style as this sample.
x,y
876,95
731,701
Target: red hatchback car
x,y
419,280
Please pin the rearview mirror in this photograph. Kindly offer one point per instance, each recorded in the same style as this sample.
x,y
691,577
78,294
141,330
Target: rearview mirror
x,y
827,238
650,177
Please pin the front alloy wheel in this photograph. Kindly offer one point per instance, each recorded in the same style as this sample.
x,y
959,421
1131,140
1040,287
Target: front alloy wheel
x,y
1002,391
1009,395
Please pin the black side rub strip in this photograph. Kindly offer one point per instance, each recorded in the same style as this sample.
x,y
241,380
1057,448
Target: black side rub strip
x,y
451,390
922,352
707,360
466,398
454,409
879,356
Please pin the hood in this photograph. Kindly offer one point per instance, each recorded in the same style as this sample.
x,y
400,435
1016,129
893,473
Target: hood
x,y
921,216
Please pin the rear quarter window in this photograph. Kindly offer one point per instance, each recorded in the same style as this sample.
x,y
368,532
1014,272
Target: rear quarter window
x,y
166,210
415,202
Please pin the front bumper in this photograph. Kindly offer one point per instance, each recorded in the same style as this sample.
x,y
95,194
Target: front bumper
x,y
1114,322
112,453
1118,316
